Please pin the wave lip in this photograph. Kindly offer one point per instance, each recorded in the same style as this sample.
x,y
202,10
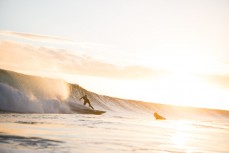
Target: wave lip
x,y
31,94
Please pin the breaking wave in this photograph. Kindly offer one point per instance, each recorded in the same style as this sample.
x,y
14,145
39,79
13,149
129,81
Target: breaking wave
x,y
31,94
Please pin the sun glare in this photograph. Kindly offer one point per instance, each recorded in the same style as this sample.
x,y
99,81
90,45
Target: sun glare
x,y
179,139
177,88
189,90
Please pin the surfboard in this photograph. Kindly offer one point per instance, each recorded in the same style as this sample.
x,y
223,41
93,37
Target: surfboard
x,y
91,111
84,110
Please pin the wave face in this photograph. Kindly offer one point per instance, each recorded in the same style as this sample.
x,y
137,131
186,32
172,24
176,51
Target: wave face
x,y
31,94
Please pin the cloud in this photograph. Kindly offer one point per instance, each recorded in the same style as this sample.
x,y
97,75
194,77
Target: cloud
x,y
34,37
18,56
99,51
221,80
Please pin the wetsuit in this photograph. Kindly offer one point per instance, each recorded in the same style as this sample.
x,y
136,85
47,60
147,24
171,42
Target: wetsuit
x,y
86,100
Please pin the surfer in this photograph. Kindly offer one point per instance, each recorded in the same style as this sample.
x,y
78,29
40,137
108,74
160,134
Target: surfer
x,y
86,100
158,117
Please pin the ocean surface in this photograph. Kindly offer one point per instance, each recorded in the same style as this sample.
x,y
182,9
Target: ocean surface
x,y
71,133
40,115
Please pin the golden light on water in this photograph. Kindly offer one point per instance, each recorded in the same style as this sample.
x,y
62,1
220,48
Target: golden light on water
x,y
180,138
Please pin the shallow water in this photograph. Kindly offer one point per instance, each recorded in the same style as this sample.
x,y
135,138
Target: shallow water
x,y
70,133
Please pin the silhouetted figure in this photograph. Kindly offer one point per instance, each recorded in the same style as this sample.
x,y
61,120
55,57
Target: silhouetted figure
x,y
86,100
158,117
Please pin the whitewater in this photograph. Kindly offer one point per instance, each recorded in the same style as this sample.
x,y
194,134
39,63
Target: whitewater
x,y
39,114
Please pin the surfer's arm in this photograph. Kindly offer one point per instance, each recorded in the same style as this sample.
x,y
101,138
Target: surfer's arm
x,y
81,98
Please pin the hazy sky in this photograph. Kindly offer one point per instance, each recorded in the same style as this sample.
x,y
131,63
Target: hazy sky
x,y
169,51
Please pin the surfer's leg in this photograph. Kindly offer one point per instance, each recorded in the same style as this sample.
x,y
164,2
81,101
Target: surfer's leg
x,y
90,106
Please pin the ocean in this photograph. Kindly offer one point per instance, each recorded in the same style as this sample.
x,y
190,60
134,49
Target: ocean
x,y
41,115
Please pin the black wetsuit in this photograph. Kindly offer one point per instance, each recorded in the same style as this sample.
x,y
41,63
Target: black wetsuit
x,y
86,100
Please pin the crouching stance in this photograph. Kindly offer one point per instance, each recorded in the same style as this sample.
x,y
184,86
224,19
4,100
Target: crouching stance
x,y
86,100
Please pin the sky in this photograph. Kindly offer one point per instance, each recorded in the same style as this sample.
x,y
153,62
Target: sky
x,y
173,52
